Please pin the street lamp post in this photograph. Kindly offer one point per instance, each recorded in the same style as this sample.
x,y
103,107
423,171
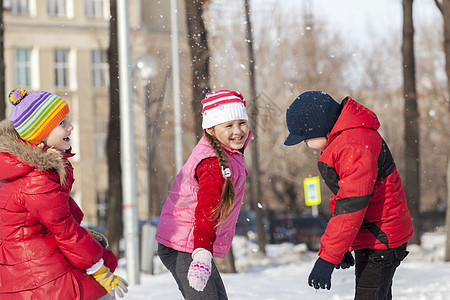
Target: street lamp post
x,y
145,68
178,131
127,145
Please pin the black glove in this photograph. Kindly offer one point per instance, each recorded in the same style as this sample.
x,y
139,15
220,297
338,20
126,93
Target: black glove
x,y
320,276
347,261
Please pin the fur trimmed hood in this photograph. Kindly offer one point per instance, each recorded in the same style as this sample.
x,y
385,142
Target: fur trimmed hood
x,y
26,156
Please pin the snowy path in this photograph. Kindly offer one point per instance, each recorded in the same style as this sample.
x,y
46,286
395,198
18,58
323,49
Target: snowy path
x,y
283,275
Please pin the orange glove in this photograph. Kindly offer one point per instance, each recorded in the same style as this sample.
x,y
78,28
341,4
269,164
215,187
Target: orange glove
x,y
112,283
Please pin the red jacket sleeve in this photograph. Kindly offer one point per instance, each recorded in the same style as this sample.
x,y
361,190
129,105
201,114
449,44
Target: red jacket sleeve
x,y
76,211
210,182
51,206
357,170
109,259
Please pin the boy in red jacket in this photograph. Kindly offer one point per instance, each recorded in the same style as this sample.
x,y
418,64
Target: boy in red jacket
x,y
369,211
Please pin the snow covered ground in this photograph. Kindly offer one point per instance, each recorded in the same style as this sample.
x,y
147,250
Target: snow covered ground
x,y
283,273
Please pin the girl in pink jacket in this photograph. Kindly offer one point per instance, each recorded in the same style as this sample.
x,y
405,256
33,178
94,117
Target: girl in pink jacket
x,y
199,217
44,252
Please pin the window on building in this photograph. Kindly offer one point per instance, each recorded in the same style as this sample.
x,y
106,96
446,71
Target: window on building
x,y
94,8
75,135
19,7
101,134
56,8
23,67
100,75
101,209
61,62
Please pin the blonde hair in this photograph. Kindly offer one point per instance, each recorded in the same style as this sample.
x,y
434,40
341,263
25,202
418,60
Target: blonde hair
x,y
228,196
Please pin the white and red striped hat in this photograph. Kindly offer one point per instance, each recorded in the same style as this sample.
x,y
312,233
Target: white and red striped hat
x,y
223,106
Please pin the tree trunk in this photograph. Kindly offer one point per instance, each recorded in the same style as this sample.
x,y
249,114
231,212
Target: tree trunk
x,y
255,185
447,219
226,265
200,56
2,66
444,7
412,170
113,228
446,15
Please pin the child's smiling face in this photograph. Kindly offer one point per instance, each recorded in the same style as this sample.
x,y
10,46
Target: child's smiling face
x,y
231,134
59,138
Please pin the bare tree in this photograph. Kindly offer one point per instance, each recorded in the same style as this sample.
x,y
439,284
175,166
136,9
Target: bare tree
x,y
200,58
411,115
255,184
113,228
444,8
156,112
198,44
447,219
283,69
305,55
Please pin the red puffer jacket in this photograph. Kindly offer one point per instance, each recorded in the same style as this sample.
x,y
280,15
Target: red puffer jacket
x,y
44,252
368,207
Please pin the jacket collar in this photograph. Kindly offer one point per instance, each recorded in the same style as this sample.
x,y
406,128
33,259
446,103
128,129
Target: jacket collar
x,y
353,115
39,157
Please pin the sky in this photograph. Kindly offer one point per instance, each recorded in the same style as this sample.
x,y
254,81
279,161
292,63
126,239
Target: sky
x,y
283,274
363,25
360,20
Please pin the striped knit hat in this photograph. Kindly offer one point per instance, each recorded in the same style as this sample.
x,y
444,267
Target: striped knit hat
x,y
35,115
223,106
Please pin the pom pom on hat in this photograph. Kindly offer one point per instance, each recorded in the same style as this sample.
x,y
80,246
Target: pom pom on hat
x,y
16,95
223,106
36,114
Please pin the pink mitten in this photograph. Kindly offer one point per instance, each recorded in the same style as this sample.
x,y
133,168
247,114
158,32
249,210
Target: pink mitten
x,y
200,269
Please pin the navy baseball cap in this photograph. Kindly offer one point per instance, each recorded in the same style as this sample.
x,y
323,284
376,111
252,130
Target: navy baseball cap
x,y
311,115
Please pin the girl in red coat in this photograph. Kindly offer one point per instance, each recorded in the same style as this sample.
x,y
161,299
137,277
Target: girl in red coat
x,y
44,252
368,206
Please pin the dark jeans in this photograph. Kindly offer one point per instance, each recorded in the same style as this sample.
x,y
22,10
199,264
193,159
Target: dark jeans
x,y
178,262
374,270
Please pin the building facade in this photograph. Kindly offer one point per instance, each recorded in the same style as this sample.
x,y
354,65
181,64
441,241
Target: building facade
x,y
61,46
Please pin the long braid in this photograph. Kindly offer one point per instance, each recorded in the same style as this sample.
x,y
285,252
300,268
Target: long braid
x,y
228,196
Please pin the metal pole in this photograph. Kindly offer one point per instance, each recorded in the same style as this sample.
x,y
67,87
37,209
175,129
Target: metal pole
x,y
149,147
176,87
148,231
127,145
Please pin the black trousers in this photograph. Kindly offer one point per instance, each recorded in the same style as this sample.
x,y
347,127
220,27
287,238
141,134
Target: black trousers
x,y
374,270
178,262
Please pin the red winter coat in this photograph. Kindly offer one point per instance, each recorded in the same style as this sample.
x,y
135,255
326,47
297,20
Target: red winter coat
x,y
44,252
368,207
